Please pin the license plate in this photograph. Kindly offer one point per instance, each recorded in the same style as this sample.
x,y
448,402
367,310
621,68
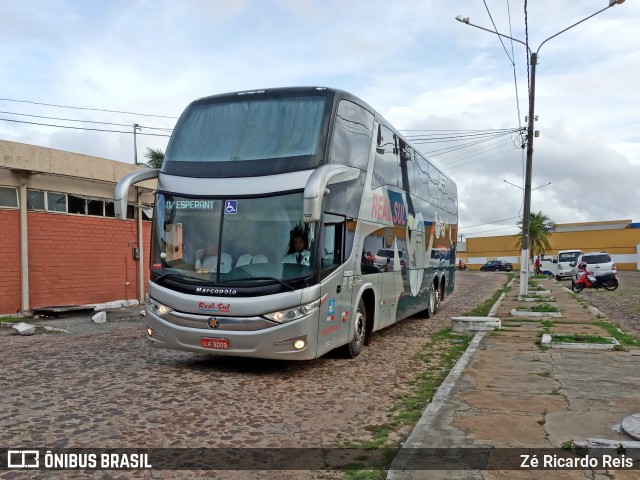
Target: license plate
x,y
215,343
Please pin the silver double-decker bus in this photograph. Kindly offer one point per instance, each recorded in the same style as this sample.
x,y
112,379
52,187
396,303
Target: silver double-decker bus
x,y
290,222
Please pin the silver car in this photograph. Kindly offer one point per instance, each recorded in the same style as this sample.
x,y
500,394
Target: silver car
x,y
595,262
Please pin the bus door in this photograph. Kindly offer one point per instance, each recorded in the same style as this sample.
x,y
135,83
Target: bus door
x,y
335,309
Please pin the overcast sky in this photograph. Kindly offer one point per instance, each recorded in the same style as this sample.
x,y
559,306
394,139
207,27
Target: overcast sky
x,y
408,59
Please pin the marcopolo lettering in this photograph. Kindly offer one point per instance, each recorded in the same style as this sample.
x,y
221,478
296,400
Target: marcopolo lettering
x,y
215,291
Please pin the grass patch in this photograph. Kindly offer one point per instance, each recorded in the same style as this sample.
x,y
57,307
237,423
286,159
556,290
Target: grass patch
x,y
568,445
11,319
439,355
542,307
618,334
484,308
545,374
580,338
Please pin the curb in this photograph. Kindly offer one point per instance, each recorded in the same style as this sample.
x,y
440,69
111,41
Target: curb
x,y
443,393
415,440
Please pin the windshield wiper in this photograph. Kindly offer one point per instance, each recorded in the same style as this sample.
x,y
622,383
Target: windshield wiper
x,y
262,278
180,277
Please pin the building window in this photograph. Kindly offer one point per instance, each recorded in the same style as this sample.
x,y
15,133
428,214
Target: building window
x,y
109,210
35,200
9,197
76,205
56,202
95,207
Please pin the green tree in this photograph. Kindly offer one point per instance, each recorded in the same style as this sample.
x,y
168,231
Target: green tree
x,y
540,229
155,157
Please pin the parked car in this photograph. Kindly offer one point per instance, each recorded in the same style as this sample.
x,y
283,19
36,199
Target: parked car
x,y
383,259
565,259
496,266
596,262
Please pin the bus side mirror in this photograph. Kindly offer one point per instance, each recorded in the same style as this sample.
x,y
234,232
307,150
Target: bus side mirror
x,y
121,195
316,188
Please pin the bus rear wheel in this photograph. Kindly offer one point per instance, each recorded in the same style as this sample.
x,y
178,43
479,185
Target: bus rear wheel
x,y
434,301
359,319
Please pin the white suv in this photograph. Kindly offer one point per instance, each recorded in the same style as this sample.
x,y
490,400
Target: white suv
x,y
595,262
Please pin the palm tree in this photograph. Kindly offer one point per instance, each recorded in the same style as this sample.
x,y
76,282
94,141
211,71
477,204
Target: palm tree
x,y
540,228
155,156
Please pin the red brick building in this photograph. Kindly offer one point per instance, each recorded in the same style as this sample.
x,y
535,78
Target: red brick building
x,y
59,241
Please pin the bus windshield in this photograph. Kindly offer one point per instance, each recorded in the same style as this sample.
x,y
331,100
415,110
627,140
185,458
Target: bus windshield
x,y
267,134
231,241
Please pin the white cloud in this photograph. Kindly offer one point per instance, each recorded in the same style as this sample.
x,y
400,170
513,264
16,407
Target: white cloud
x,y
411,61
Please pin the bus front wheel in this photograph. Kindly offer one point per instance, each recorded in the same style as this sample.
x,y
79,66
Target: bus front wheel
x,y
359,319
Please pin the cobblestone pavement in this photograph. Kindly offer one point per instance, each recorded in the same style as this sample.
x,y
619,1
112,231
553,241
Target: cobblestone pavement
x,y
622,306
105,388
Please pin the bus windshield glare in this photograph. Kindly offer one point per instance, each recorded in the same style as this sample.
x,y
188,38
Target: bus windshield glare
x,y
248,128
243,241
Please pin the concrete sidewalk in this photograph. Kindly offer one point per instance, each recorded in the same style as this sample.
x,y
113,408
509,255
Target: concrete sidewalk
x,y
511,392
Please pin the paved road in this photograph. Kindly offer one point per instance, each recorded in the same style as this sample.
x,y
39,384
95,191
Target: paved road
x,y
107,389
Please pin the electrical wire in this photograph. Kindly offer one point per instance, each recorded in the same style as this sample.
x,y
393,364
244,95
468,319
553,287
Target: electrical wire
x,y
489,223
448,168
85,108
450,158
81,128
86,121
515,82
492,230
496,30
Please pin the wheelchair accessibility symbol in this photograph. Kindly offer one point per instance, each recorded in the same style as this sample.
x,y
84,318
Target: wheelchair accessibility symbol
x,y
231,207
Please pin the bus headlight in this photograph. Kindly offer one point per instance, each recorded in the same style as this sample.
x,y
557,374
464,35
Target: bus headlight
x,y
283,316
158,308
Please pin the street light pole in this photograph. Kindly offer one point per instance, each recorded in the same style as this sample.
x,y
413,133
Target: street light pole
x,y
526,216
136,127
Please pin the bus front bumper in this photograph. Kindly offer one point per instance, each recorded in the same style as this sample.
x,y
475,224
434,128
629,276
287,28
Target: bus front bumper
x,y
278,342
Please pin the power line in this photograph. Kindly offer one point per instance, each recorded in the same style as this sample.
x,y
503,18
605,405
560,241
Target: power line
x,y
85,108
489,223
515,79
452,138
448,168
80,128
452,130
85,121
449,160
496,29
492,230
465,145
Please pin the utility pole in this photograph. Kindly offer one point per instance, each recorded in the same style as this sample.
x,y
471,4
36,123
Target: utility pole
x,y
533,61
526,216
136,127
